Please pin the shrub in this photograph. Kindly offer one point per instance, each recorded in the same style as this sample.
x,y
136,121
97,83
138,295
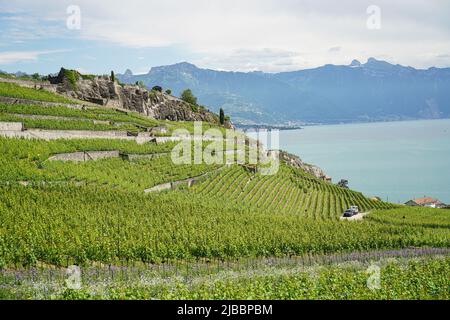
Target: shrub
x,y
87,76
168,91
188,97
72,76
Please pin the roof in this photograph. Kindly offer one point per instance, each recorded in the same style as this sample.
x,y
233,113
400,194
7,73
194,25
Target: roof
x,y
426,200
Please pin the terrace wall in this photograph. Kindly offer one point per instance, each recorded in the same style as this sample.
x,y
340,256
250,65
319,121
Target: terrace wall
x,y
11,126
84,156
9,100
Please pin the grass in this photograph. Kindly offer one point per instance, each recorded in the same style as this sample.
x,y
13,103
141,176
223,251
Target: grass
x,y
75,124
15,91
89,113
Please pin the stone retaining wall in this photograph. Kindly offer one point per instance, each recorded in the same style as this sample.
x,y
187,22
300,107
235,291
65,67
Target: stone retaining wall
x,y
14,130
11,126
9,100
31,84
175,184
84,156
160,187
134,157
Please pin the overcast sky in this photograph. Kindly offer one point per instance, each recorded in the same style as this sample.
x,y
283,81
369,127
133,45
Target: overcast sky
x,y
244,35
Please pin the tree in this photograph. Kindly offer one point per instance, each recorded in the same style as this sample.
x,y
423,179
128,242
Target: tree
x,y
222,116
157,88
36,76
113,76
168,91
188,97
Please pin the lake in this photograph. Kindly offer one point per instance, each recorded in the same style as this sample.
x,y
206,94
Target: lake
x,y
396,161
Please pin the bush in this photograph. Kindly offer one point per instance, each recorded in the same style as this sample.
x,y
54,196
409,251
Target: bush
x,y
87,76
157,88
168,91
187,96
72,76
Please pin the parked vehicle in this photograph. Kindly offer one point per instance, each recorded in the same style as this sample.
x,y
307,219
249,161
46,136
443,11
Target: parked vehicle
x,y
349,213
354,210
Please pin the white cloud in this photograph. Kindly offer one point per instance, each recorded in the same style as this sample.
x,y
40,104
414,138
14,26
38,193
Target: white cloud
x,y
24,56
266,59
237,34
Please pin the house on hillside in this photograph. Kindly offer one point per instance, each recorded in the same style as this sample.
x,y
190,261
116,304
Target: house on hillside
x,y
425,202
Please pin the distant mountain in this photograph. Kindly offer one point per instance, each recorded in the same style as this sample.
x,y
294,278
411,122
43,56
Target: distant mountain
x,y
373,91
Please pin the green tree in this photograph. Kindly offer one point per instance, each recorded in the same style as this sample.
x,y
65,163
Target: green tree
x,y
36,76
113,76
168,91
188,96
222,116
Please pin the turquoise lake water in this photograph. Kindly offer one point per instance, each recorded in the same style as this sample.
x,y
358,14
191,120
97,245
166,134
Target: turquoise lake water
x,y
396,161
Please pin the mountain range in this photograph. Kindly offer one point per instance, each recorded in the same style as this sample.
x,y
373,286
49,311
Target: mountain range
x,y
358,92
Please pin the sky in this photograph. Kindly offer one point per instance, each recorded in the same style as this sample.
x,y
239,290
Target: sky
x,y
245,35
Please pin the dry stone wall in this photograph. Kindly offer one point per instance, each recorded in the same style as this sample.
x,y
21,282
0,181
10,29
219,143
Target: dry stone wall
x,y
11,126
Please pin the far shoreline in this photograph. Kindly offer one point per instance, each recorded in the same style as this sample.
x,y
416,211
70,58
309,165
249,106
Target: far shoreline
x,y
303,126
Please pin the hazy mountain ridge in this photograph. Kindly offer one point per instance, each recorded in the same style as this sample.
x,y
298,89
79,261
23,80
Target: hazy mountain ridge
x,y
373,91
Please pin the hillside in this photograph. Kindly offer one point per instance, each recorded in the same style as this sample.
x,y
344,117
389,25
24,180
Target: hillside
x,y
373,91
102,91
89,185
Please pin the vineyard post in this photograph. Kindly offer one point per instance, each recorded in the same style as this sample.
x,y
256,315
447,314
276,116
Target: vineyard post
x,y
176,267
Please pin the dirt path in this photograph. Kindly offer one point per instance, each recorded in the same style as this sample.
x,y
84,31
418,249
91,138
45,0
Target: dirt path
x,y
356,217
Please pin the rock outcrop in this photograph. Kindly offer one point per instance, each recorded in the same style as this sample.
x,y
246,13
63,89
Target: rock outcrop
x,y
101,90
296,162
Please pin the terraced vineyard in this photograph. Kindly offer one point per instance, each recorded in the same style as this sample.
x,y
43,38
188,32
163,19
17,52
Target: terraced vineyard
x,y
15,91
55,213
291,191
24,160
63,114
